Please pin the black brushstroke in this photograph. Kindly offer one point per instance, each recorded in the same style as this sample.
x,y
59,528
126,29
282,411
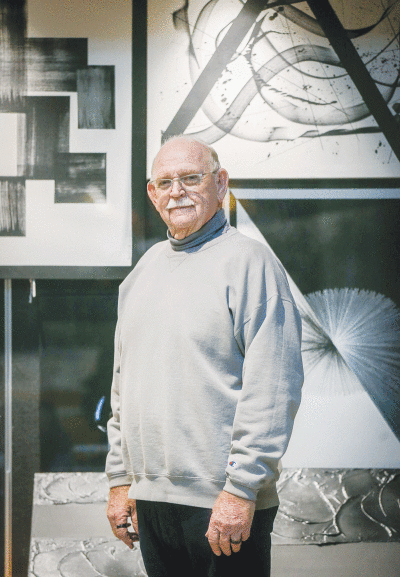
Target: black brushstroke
x,y
47,133
215,66
312,25
180,19
80,178
53,63
12,55
96,103
351,60
12,207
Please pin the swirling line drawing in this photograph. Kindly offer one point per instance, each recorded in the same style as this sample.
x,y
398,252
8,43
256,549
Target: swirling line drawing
x,y
304,84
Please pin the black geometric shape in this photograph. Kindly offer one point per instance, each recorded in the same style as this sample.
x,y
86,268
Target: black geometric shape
x,y
12,207
52,63
12,55
46,134
80,177
96,101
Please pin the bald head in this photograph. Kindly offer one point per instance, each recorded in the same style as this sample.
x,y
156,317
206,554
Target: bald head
x,y
185,206
190,143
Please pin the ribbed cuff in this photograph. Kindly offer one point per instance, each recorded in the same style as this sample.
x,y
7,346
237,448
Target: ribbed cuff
x,y
240,490
118,480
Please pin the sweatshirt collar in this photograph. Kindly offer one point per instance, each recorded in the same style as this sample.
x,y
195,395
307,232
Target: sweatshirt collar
x,y
208,231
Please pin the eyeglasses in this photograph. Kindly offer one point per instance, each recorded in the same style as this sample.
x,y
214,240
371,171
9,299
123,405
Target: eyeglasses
x,y
188,181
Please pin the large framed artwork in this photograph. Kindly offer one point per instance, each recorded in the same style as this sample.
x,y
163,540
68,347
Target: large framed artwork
x,y
65,125
340,247
261,82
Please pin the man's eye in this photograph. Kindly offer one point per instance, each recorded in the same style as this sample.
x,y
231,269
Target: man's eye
x,y
191,179
164,183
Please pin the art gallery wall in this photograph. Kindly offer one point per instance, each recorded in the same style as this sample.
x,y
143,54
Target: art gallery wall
x,y
64,338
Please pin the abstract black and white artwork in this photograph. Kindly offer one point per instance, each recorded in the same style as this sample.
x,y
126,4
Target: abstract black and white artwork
x,y
262,83
12,206
340,249
80,177
65,130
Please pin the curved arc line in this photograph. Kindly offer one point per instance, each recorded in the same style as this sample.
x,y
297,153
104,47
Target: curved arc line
x,y
387,94
309,103
225,123
303,74
366,63
194,68
272,68
310,24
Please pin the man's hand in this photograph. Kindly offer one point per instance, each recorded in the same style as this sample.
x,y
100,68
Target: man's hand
x,y
119,508
230,523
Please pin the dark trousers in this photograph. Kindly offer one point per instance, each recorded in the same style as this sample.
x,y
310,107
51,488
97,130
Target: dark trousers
x,y
173,542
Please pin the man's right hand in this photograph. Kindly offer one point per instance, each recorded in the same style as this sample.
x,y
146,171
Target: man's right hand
x,y
119,509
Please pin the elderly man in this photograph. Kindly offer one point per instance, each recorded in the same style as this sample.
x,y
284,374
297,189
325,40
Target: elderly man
x,y
207,381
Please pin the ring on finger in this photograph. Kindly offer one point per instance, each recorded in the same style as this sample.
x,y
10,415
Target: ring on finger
x,y
123,526
236,542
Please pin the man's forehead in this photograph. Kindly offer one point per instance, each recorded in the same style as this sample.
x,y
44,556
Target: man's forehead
x,y
178,152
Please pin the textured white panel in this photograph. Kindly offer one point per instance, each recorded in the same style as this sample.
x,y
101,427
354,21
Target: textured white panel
x,y
8,139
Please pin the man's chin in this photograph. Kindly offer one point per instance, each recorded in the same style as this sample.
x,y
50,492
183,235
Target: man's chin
x,y
182,216
182,222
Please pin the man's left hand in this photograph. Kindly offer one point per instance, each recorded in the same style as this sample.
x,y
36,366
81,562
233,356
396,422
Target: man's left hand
x,y
120,508
230,523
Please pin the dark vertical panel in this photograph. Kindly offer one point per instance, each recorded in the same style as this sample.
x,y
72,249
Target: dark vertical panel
x,y
139,119
12,55
25,416
232,210
96,102
47,133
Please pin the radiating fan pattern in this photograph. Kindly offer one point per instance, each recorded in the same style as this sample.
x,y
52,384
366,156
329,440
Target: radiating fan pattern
x,y
351,340
354,346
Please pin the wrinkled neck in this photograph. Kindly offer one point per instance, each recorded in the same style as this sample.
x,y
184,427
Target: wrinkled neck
x,y
208,231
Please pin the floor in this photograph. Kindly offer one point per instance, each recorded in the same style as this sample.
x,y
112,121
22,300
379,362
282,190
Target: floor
x,y
71,537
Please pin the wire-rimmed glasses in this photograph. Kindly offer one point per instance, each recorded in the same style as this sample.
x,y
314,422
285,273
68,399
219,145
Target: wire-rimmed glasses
x,y
187,181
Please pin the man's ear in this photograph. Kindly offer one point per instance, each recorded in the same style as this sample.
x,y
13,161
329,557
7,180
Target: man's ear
x,y
151,191
222,183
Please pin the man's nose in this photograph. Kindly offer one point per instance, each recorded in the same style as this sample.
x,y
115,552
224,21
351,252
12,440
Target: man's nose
x,y
176,189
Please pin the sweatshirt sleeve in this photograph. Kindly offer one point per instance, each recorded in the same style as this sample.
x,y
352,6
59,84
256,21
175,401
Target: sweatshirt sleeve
x,y
115,469
270,340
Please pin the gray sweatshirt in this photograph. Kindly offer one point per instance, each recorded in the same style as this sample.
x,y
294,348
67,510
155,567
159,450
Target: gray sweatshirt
x,y
207,373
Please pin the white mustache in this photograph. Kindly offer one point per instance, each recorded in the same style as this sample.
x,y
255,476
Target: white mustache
x,y
179,202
